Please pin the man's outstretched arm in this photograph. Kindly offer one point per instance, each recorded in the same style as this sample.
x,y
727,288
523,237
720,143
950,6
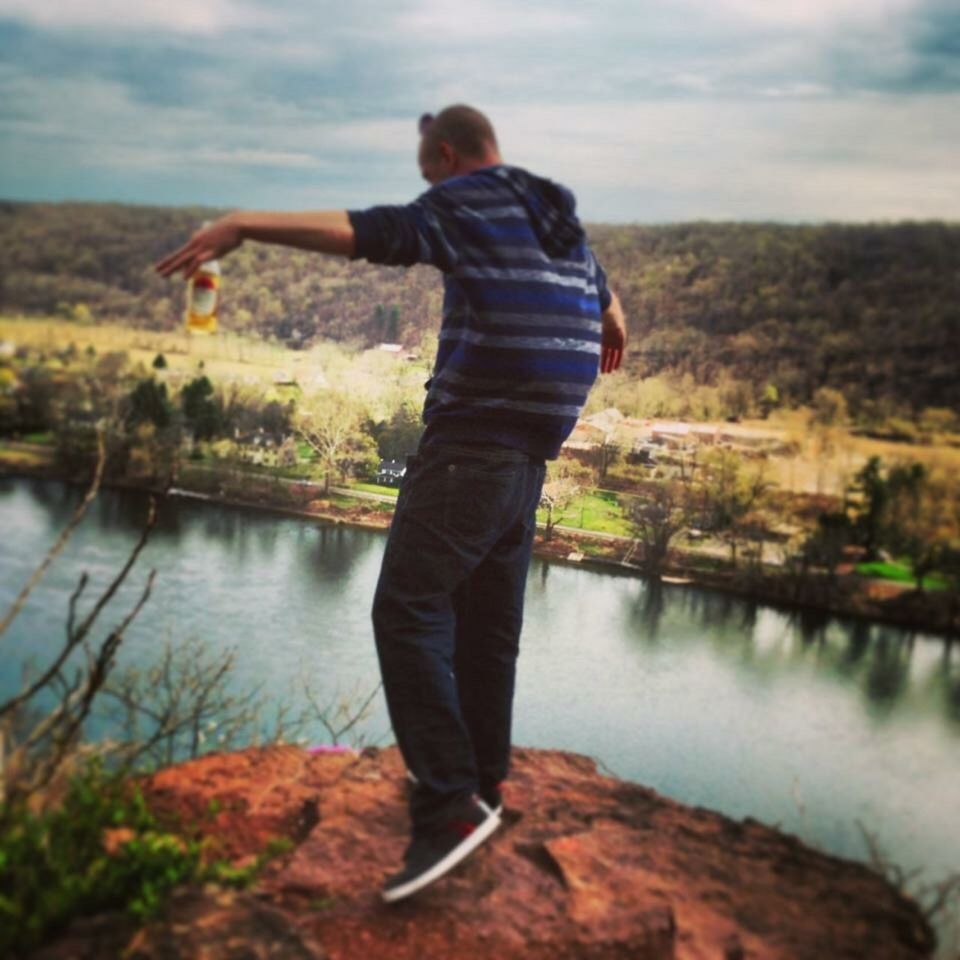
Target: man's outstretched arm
x,y
325,231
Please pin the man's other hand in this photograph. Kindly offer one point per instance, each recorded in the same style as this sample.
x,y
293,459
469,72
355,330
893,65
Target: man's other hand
x,y
206,244
613,337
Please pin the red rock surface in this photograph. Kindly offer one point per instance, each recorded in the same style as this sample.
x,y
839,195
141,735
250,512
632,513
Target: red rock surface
x,y
585,866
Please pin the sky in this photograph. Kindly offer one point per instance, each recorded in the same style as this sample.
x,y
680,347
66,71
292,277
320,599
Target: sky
x,y
652,111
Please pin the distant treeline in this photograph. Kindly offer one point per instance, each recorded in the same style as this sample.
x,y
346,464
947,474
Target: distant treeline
x,y
870,310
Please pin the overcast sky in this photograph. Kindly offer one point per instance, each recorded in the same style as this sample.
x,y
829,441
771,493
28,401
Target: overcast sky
x,y
651,110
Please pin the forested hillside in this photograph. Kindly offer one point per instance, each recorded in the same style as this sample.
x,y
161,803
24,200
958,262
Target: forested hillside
x,y
872,310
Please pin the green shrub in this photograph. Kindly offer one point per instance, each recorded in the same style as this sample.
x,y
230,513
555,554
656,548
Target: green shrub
x,y
54,865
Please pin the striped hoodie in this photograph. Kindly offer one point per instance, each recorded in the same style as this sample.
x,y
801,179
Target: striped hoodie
x,y
520,339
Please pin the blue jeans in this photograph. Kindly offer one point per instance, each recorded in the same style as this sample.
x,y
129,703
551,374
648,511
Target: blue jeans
x,y
447,615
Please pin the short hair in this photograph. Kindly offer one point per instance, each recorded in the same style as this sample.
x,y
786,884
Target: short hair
x,y
467,130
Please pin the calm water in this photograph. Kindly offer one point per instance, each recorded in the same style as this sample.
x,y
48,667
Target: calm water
x,y
708,699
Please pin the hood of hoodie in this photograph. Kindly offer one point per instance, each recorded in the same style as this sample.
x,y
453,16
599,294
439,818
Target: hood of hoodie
x,y
550,206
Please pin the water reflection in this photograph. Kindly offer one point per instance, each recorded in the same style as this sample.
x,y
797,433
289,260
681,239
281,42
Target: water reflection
x,y
122,512
944,684
885,681
858,644
647,612
811,624
334,552
876,660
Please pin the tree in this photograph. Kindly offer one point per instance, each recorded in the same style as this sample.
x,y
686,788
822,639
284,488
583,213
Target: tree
x,y
200,412
82,314
730,492
769,399
921,524
289,454
334,425
608,453
870,495
825,546
148,403
159,362
401,434
564,482
659,515
829,408
35,399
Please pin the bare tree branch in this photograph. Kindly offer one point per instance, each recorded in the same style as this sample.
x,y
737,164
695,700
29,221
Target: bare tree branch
x,y
53,674
65,535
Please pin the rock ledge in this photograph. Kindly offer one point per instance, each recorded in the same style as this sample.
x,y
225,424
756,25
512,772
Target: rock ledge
x,y
585,866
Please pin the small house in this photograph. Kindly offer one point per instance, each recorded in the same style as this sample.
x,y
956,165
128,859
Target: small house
x,y
390,473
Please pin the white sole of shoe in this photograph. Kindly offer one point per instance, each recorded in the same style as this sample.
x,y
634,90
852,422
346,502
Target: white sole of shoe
x,y
458,853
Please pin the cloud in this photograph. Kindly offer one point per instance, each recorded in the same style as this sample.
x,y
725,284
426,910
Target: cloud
x,y
922,56
715,108
802,14
804,160
484,20
203,17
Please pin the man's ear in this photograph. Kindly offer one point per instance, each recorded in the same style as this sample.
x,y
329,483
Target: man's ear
x,y
447,154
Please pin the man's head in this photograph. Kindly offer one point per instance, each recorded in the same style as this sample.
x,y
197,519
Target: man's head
x,y
456,141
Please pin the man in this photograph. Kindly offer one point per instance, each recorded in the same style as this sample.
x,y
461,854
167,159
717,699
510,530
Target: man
x,y
527,320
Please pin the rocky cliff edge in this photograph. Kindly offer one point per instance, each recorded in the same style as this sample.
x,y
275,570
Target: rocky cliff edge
x,y
585,866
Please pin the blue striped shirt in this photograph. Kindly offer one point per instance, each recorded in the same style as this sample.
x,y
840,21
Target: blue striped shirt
x,y
523,294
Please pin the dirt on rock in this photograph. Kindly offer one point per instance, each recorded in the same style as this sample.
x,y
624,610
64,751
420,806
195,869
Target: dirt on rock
x,y
584,867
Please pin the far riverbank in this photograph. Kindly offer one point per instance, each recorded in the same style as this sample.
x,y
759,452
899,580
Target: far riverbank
x,y
815,594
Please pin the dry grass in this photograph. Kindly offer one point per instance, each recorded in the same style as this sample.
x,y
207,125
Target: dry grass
x,y
825,463
827,460
14,459
226,356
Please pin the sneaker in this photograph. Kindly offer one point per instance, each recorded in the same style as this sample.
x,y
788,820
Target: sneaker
x,y
435,853
492,797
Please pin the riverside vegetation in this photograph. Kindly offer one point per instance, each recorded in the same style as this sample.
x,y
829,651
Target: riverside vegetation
x,y
831,346
798,507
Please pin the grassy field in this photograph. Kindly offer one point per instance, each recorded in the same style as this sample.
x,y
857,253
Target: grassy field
x,y
374,488
376,377
44,438
224,355
22,458
900,572
599,511
826,461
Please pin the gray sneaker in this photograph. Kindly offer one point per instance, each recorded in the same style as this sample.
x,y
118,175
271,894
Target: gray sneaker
x,y
434,853
490,796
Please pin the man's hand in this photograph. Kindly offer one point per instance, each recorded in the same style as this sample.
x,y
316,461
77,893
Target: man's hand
x,y
211,242
613,337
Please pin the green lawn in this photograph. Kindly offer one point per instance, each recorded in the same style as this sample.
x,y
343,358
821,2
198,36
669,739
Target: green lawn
x,y
373,488
900,572
344,503
45,437
598,511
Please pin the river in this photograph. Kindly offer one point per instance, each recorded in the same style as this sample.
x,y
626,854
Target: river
x,y
824,727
